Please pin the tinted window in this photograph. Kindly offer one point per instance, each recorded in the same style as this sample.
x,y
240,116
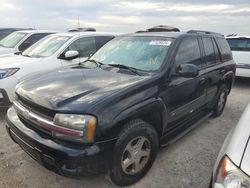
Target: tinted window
x,y
101,40
188,52
209,50
239,44
4,33
225,50
31,40
217,53
85,46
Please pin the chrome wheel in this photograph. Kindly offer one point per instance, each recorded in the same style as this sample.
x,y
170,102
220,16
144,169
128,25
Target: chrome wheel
x,y
135,155
222,100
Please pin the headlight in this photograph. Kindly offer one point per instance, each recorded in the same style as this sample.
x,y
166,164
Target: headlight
x,y
84,124
230,176
4,73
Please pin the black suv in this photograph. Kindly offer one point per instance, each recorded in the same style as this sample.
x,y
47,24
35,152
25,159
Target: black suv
x,y
112,112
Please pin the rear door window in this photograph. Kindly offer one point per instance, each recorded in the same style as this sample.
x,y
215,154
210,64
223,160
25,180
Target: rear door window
x,y
239,44
217,53
209,51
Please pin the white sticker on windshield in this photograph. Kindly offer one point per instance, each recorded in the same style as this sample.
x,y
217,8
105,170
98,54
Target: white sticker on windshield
x,y
160,43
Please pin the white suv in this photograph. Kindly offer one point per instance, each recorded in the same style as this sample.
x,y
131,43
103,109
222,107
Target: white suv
x,y
52,52
21,40
240,46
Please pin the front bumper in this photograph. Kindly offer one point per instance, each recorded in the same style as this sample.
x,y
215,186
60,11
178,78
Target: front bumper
x,y
67,160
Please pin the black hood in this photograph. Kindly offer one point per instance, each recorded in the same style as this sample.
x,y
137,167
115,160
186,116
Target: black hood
x,y
74,88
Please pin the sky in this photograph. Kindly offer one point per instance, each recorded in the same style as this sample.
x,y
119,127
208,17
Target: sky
x,y
125,16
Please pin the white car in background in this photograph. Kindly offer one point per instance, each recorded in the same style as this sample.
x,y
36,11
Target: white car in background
x,y
232,168
52,52
21,40
240,46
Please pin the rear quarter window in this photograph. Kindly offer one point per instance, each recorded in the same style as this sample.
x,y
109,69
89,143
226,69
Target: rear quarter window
x,y
225,49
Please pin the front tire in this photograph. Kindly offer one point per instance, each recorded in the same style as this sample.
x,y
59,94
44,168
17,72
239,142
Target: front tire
x,y
134,153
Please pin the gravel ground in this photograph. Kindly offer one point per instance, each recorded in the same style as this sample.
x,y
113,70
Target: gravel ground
x,y
186,163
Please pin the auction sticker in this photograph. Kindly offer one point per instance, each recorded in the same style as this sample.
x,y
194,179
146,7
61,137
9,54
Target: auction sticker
x,y
160,43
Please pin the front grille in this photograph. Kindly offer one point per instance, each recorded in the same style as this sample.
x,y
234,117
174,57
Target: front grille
x,y
28,118
42,132
37,109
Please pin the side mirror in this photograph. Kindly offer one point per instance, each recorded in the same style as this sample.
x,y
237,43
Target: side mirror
x,y
17,53
71,54
187,70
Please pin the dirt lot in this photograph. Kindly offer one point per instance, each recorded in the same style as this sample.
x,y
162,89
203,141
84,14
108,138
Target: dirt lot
x,y
186,163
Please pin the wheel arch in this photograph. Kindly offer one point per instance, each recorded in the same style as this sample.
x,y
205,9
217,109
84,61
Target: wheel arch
x,y
228,79
152,111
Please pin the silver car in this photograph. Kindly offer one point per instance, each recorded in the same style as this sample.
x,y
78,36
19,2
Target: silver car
x,y
232,168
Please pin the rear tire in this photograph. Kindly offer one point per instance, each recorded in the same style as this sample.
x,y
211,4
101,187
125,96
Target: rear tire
x,y
134,153
220,101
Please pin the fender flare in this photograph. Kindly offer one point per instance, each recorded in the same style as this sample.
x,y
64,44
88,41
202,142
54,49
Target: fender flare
x,y
143,108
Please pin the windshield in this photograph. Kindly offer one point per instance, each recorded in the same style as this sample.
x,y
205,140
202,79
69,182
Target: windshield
x,y
12,40
143,53
46,47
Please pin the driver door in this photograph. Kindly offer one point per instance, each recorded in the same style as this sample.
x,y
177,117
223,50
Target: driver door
x,y
185,96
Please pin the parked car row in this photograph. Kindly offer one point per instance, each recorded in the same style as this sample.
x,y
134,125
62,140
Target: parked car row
x,y
52,52
21,40
88,102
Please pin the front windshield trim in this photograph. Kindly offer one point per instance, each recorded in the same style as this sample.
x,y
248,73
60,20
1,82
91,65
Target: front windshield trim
x,y
156,38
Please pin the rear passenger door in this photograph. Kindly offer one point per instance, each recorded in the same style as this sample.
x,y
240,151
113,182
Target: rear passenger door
x,y
186,95
216,69
212,58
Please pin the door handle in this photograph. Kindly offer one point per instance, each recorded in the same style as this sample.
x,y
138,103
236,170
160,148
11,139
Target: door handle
x,y
202,79
222,71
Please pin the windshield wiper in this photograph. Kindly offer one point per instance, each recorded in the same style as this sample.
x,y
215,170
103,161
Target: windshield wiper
x,y
98,63
131,69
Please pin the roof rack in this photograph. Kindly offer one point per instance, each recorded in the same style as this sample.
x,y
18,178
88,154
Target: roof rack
x,y
161,28
83,29
205,32
232,35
